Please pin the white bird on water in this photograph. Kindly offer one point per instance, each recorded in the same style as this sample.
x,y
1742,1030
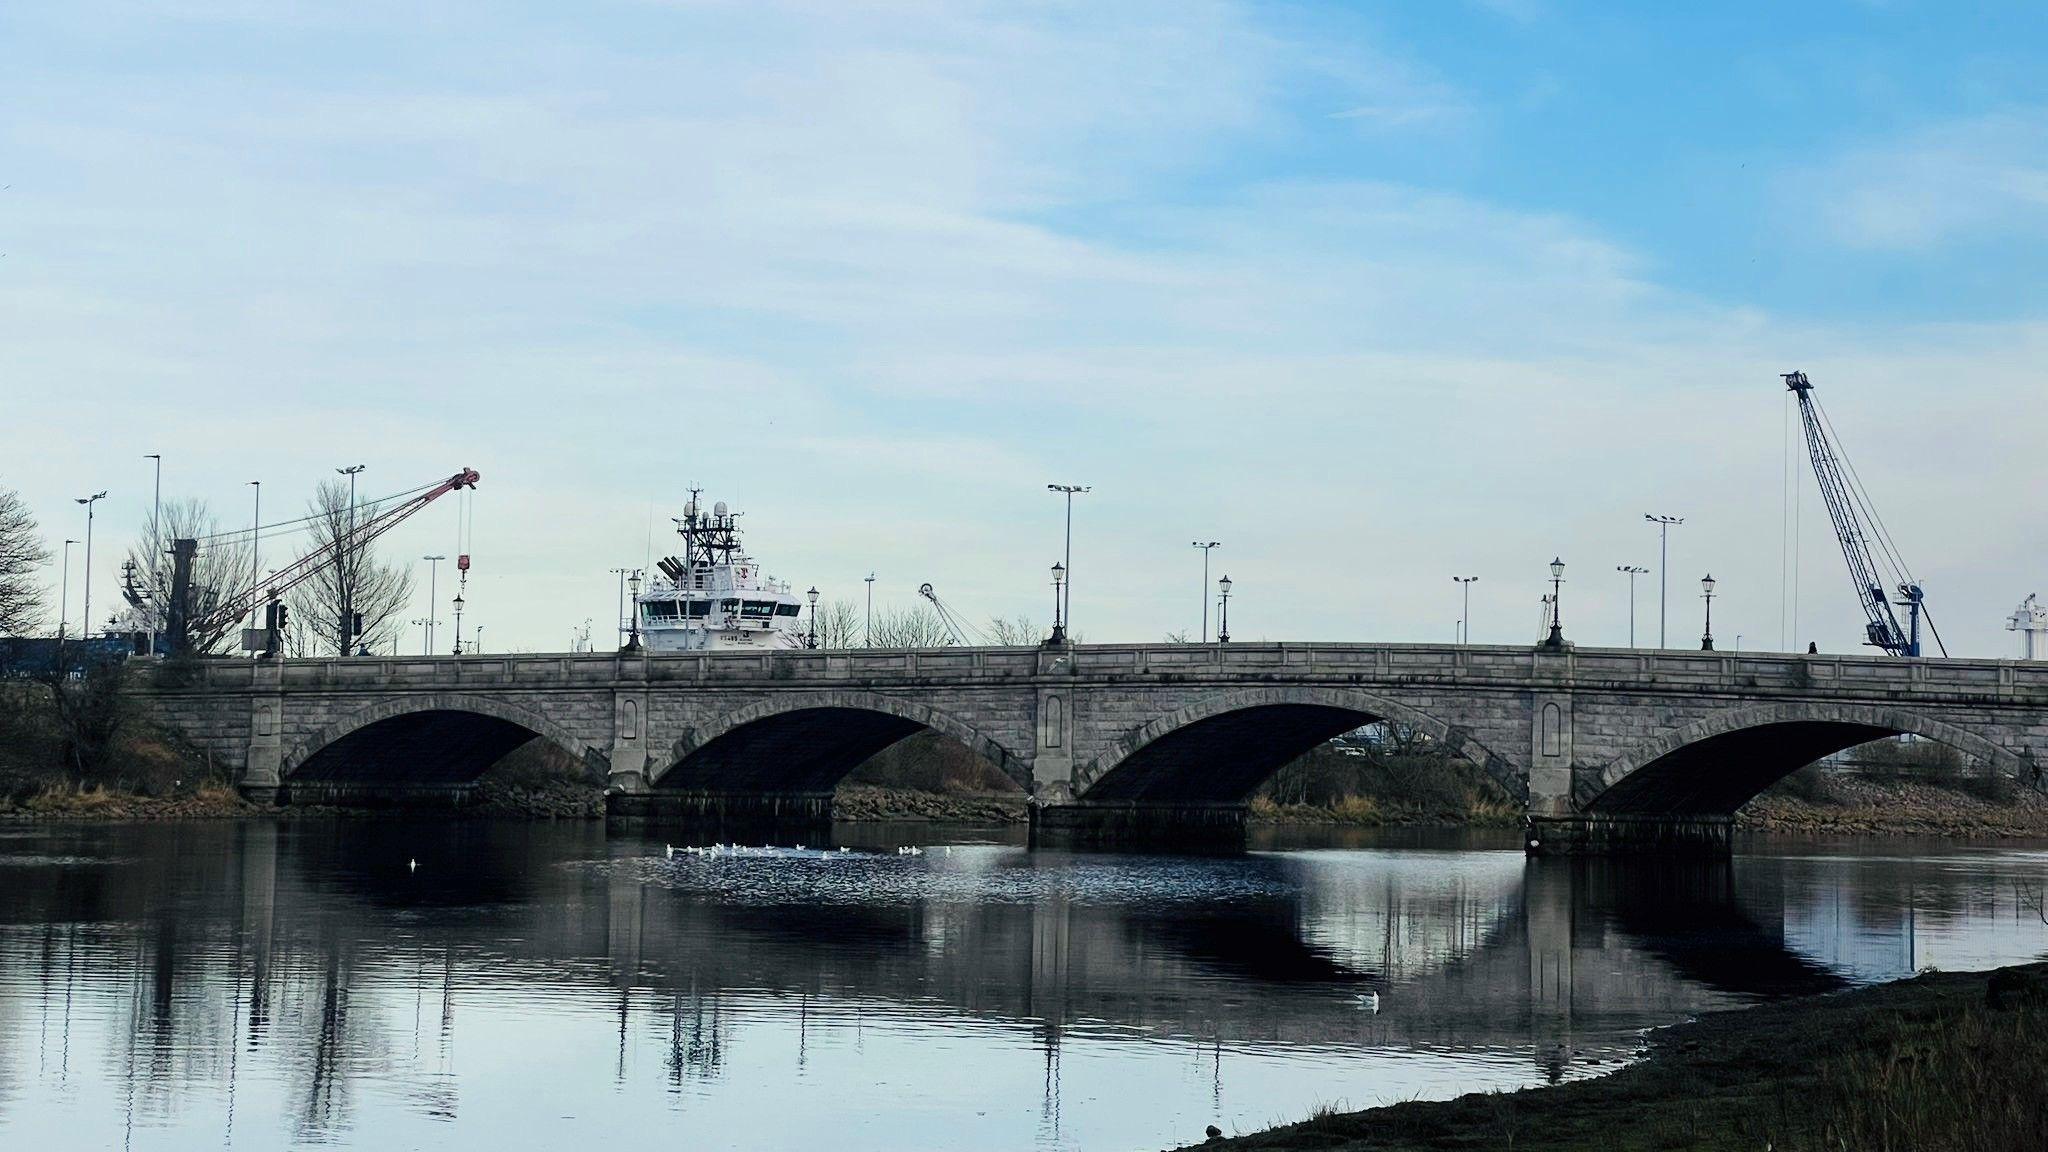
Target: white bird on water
x,y
412,865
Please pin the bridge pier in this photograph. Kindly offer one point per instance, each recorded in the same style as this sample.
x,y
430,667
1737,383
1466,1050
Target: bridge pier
x,y
1107,825
1615,834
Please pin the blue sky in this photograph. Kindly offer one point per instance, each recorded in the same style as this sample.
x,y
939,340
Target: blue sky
x,y
1373,293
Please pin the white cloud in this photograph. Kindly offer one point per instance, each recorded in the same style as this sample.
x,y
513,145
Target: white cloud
x,y
1961,180
877,275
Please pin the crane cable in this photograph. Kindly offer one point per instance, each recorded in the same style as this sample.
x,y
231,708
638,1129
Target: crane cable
x,y
366,508
1901,573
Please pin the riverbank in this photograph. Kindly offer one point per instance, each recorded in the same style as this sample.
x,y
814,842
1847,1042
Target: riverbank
x,y
1856,806
1944,1061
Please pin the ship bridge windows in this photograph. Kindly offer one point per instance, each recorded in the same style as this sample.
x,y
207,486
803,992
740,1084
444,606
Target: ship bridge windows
x,y
785,609
653,610
757,609
729,607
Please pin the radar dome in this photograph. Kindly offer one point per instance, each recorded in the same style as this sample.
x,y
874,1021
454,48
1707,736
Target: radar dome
x,y
718,509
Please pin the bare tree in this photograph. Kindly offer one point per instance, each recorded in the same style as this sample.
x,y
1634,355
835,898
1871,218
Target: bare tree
x,y
220,572
1018,631
21,554
352,578
916,627
841,625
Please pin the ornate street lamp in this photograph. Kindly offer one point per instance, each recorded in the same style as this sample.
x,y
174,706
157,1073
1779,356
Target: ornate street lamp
x,y
632,610
1707,590
1556,637
458,626
1059,625
812,596
1223,613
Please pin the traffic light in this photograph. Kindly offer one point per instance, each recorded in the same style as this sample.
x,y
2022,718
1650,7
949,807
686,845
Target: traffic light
x,y
284,615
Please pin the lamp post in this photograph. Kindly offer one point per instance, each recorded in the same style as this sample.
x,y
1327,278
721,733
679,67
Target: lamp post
x,y
867,631
426,627
345,573
477,648
156,548
433,579
1206,549
1067,561
1465,612
1663,524
1223,611
1707,590
85,618
1633,572
812,596
1059,627
633,613
64,597
458,623
619,615
1556,637
255,549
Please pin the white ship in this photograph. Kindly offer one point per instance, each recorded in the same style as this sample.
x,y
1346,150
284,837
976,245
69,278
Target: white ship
x,y
714,596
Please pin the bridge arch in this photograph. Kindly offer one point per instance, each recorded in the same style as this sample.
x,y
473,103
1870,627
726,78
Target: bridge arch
x,y
809,741
1718,764
431,740
1218,749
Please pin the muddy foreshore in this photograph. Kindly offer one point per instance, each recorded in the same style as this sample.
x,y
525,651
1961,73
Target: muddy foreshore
x,y
1943,1061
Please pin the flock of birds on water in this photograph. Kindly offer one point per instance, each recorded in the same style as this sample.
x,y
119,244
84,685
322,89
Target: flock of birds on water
x,y
728,850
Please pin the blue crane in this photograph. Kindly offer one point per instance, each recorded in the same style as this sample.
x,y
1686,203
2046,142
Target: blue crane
x,y
1857,527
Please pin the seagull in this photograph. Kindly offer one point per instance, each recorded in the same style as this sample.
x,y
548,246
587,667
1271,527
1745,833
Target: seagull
x,y
671,850
412,865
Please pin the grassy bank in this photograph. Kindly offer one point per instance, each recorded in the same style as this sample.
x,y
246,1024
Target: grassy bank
x,y
1402,782
1945,1062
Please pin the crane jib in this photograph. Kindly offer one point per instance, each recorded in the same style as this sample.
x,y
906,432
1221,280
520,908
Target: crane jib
x,y
295,573
1847,506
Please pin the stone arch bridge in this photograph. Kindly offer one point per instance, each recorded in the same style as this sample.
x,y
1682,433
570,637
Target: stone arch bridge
x,y
1608,748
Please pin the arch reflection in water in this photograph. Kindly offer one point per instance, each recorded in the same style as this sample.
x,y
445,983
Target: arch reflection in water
x,y
251,984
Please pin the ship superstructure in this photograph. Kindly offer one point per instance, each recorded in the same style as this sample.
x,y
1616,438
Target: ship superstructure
x,y
715,596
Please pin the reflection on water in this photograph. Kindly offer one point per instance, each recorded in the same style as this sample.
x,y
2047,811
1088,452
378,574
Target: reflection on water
x,y
498,986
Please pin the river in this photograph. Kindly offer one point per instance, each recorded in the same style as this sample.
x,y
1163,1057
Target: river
x,y
386,984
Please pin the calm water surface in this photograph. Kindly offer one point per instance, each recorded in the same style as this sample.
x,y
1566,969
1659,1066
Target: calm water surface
x,y
533,986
